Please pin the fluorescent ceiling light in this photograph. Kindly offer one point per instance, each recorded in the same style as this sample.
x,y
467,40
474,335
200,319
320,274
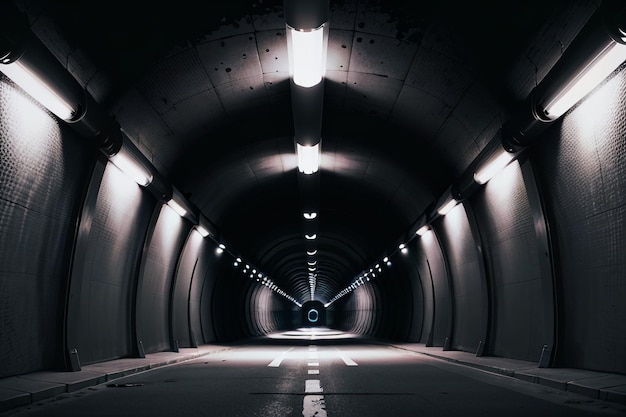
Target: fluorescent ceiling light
x,y
202,230
603,64
422,230
131,168
177,208
38,89
307,56
308,158
445,209
494,166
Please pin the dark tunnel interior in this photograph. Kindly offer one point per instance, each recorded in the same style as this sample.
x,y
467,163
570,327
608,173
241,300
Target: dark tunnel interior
x,y
220,233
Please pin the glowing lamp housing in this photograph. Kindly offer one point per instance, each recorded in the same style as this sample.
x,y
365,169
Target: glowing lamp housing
x,y
307,50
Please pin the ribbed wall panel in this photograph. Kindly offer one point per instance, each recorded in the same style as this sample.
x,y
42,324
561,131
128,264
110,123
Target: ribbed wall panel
x,y
44,169
185,274
160,262
417,314
110,255
466,279
426,282
442,293
202,279
582,167
520,318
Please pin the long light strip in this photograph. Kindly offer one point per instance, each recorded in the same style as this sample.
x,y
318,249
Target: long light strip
x,y
133,170
37,89
308,63
445,209
497,164
202,230
611,57
422,230
177,207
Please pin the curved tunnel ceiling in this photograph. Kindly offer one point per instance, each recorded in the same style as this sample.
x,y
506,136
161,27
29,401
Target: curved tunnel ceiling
x,y
413,91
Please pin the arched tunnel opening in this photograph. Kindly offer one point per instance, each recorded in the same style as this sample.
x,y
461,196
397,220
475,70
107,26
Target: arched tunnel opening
x,y
313,314
237,222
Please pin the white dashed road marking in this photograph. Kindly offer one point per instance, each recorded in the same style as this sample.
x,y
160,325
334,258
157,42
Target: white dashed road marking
x,y
276,362
313,405
347,360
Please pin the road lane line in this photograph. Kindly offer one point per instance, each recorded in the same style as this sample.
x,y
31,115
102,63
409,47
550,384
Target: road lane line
x,y
276,362
347,360
312,355
314,371
313,406
314,364
312,385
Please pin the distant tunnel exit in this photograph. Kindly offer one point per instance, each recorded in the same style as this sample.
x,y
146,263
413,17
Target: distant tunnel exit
x,y
313,314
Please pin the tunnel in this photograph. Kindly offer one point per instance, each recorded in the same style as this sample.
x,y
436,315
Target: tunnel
x,y
157,196
313,314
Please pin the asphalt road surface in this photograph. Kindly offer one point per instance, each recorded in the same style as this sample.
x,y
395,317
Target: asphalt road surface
x,y
318,374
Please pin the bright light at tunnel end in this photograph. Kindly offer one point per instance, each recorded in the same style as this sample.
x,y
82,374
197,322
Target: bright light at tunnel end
x,y
314,333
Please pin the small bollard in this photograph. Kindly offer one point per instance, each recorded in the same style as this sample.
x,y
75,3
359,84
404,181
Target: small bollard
x,y
544,360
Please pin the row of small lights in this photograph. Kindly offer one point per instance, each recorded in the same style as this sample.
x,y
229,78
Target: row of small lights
x,y
370,275
311,262
361,279
261,278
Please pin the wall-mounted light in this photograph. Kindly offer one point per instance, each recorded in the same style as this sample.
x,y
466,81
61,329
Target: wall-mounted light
x,y
202,230
38,89
607,60
30,65
597,51
447,206
129,165
308,158
494,164
205,228
179,203
422,230
177,207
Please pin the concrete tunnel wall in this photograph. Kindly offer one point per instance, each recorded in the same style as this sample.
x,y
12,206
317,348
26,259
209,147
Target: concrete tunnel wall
x,y
536,257
92,262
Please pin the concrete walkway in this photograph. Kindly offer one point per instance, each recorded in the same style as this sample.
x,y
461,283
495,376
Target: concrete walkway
x,y
17,391
598,385
31,388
